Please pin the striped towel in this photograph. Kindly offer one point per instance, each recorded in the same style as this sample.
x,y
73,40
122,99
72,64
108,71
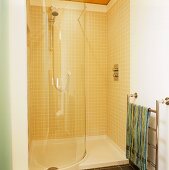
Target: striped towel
x,y
137,135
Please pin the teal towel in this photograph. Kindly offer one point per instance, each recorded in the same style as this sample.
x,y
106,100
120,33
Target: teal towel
x,y
137,135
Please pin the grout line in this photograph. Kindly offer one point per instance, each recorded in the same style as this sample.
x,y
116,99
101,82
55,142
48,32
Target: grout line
x,y
132,167
117,166
120,167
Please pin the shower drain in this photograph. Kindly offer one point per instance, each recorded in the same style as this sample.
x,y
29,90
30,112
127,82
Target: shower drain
x,y
52,168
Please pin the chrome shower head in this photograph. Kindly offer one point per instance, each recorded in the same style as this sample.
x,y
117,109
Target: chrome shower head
x,y
54,11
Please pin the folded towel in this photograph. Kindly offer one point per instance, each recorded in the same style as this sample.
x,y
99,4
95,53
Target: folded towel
x,y
137,135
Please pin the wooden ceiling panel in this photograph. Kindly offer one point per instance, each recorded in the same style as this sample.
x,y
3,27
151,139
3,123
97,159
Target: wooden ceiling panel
x,y
102,2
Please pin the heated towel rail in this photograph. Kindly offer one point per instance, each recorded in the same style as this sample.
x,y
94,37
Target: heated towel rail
x,y
156,130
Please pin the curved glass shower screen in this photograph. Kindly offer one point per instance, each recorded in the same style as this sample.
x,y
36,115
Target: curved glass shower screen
x,y
56,84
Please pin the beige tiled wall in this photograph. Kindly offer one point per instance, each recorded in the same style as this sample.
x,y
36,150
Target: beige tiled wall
x,y
37,81
96,73
44,99
107,43
118,53
46,116
69,57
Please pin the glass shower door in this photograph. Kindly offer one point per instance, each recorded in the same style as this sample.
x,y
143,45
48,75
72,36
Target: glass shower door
x,y
56,84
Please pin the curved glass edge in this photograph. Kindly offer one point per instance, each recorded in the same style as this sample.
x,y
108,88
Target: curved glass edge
x,y
77,163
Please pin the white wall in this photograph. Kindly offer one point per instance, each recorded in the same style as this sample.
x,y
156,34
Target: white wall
x,y
150,62
18,83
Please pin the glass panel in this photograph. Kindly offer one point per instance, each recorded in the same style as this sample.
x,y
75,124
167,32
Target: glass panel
x,y
5,141
56,84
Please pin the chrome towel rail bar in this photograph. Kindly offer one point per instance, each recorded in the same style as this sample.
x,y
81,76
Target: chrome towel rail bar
x,y
156,130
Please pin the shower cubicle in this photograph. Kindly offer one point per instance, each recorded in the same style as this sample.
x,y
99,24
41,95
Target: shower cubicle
x,y
75,106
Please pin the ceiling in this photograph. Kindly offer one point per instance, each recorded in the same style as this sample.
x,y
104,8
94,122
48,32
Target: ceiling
x,y
102,2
